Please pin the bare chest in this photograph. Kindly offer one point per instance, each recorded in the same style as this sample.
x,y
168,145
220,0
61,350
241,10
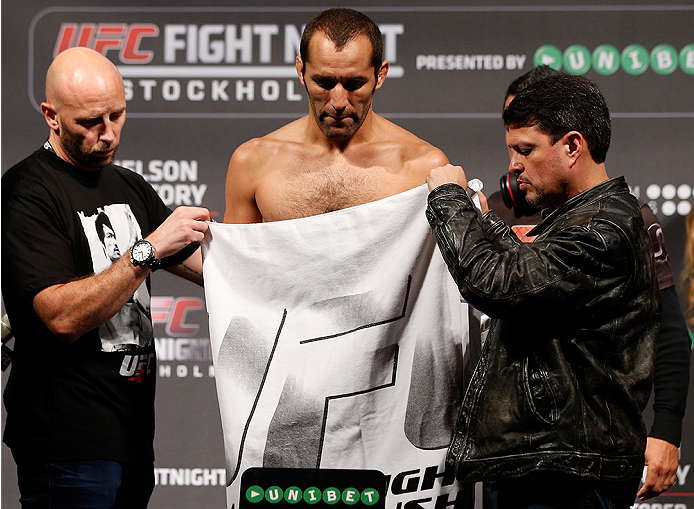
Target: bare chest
x,y
296,192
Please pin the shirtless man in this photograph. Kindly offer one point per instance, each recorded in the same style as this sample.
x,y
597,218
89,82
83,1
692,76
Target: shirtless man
x,y
341,154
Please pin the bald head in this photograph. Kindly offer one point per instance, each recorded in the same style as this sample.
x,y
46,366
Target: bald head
x,y
79,70
84,107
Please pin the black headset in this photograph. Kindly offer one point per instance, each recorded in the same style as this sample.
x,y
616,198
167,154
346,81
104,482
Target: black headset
x,y
513,197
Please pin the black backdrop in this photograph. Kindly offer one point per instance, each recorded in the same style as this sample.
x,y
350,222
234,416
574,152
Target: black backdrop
x,y
203,79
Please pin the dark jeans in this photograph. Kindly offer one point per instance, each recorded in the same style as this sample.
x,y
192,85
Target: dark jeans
x,y
549,490
84,484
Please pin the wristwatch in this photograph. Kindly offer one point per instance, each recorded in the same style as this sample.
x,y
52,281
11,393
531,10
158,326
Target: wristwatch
x,y
142,254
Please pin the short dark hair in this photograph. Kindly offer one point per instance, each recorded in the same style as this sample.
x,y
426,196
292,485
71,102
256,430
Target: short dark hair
x,y
101,221
532,76
562,103
341,26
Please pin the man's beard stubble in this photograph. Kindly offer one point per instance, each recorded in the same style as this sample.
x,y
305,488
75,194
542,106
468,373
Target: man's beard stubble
x,y
72,144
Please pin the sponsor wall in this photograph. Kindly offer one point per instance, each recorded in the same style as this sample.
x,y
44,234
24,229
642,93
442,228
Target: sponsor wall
x,y
201,80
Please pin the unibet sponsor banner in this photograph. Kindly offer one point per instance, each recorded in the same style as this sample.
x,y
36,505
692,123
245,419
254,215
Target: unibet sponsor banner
x,y
266,488
634,59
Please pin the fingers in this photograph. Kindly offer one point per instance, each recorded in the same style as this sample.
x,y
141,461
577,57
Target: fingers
x,y
662,460
448,174
199,213
184,226
484,206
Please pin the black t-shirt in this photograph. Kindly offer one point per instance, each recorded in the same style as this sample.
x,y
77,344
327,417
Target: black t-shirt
x,y
94,398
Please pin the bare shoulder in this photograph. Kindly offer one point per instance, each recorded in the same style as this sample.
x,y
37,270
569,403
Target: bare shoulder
x,y
253,154
251,164
415,153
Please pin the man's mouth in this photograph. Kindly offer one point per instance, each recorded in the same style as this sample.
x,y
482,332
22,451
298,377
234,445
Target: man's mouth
x,y
337,119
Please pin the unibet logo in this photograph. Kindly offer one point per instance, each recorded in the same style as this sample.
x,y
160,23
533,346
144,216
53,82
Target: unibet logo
x,y
606,59
331,496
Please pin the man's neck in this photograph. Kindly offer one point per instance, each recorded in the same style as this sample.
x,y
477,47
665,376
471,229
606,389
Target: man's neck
x,y
589,177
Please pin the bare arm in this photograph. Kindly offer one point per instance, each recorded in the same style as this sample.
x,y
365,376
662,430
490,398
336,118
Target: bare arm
x,y
241,206
71,309
190,268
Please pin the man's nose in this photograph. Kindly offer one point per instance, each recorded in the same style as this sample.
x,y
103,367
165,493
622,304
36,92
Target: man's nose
x,y
108,134
339,98
515,165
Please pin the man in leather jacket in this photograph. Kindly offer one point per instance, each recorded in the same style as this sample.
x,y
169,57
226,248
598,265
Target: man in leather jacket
x,y
553,411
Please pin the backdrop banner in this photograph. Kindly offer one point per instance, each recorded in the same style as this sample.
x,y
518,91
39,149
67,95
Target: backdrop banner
x,y
338,343
203,78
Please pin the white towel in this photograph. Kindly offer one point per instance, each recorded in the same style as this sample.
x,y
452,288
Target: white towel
x,y
338,342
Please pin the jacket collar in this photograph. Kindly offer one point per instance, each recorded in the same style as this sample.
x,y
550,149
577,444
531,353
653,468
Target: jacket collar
x,y
551,214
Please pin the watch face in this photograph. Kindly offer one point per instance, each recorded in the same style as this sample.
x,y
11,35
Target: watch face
x,y
142,251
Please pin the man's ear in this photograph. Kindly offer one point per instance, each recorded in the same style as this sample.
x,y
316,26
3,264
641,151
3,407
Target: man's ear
x,y
382,73
300,69
575,145
51,116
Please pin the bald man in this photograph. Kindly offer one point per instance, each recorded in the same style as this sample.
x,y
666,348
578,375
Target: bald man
x,y
80,396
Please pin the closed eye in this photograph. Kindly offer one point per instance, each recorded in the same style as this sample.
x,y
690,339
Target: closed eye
x,y
325,84
353,85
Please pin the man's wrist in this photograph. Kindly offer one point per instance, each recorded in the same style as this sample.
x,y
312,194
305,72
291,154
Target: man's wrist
x,y
143,254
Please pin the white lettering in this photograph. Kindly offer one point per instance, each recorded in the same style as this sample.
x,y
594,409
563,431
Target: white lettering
x,y
219,90
172,43
606,60
514,62
265,33
634,57
172,171
242,44
147,86
390,33
196,90
129,94
291,94
246,90
198,192
171,90
577,60
292,41
196,477
181,194
664,59
217,43
689,60
468,62
192,49
682,472
211,52
270,90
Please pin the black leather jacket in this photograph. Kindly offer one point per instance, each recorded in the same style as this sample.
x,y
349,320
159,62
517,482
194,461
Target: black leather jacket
x,y
567,365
